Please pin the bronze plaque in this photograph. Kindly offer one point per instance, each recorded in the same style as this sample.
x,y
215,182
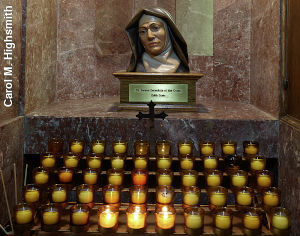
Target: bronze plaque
x,y
174,93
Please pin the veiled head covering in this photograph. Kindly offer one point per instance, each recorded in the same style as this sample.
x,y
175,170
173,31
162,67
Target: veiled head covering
x,y
178,45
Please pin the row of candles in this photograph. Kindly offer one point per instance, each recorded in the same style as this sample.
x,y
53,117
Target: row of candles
x,y
165,212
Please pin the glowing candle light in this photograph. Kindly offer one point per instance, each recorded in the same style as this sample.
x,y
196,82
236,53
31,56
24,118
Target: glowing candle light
x,y
108,217
163,147
165,217
136,217
141,148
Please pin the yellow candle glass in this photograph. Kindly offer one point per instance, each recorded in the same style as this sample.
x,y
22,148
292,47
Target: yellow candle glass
x,y
271,197
141,148
90,176
164,162
217,197
164,194
111,194
191,196
58,193
23,214
138,194
139,176
222,221
115,176
264,179
55,145
71,160
186,162
140,162
31,193
48,160
228,148
257,163
79,216
65,175
189,177
280,221
207,148
98,146
77,146
193,220
238,179
164,177
136,218
210,162
185,148
250,148
50,217
165,219
120,147
108,219
163,147
85,194
213,178
252,221
41,176
244,198
94,161
117,161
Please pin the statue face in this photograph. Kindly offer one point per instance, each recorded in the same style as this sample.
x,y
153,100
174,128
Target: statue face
x,y
153,37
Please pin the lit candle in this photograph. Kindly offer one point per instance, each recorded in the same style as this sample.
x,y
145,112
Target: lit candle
x,y
108,217
206,148
41,177
163,148
210,162
228,148
111,194
141,148
191,196
79,215
140,163
23,214
76,146
223,221
164,162
48,160
98,146
120,147
31,193
136,216
186,163
115,176
139,176
71,160
189,177
90,176
251,222
117,162
165,219
94,162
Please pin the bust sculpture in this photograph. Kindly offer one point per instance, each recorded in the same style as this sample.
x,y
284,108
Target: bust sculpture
x,y
156,44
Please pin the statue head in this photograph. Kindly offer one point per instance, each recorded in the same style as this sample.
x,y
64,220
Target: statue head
x,y
156,43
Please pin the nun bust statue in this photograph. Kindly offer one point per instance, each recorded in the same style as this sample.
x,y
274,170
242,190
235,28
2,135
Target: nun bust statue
x,y
157,45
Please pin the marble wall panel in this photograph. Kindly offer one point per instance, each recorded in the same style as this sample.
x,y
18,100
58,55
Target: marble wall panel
x,y
289,169
39,129
11,151
265,55
13,110
41,53
169,5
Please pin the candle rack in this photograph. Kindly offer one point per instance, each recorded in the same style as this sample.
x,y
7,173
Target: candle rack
x,y
151,199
